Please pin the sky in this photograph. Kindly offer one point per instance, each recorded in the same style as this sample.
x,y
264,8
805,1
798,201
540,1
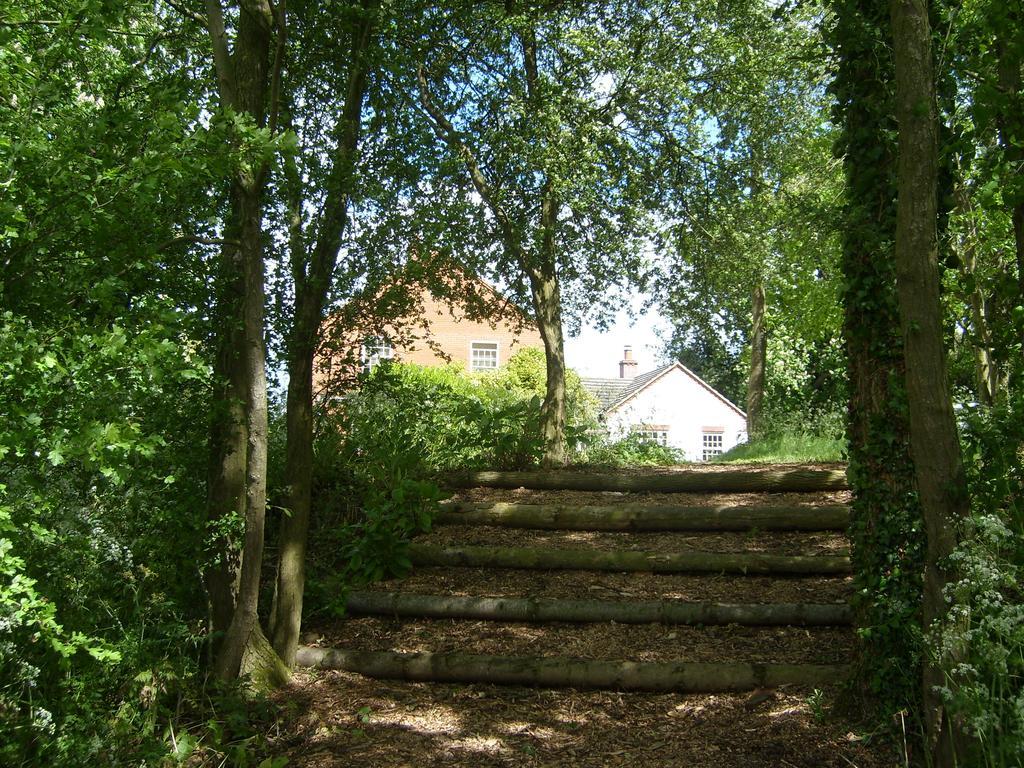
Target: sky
x,y
597,353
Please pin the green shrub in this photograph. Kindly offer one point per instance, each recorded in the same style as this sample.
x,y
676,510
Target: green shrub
x,y
99,621
378,451
444,419
630,451
982,643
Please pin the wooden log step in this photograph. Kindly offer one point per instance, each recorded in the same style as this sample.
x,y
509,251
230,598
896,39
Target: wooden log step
x,y
645,517
724,481
609,585
633,612
625,560
561,672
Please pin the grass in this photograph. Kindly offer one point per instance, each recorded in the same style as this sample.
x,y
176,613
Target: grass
x,y
786,447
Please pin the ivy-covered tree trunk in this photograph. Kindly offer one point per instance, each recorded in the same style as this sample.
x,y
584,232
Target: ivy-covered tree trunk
x,y
885,527
312,280
934,441
758,361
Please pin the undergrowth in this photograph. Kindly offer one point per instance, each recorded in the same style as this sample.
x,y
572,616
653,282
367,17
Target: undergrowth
x,y
786,448
631,451
796,437
381,452
982,642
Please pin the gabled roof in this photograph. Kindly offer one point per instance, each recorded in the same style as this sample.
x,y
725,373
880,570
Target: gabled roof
x,y
607,391
614,393
611,392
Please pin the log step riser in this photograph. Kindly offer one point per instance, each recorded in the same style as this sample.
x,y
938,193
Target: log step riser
x,y
634,612
645,518
742,481
626,561
683,677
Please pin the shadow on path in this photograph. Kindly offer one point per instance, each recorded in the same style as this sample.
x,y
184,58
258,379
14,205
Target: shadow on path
x,y
335,719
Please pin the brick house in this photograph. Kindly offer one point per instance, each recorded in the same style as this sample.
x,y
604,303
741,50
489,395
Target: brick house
x,y
461,320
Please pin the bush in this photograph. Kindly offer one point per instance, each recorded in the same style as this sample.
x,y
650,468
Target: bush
x,y
99,624
631,451
378,452
443,419
982,643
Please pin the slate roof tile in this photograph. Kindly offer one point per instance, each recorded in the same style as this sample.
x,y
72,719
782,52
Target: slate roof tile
x,y
610,392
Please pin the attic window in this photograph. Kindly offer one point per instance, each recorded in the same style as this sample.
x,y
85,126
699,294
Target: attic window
x,y
373,350
483,356
653,433
711,443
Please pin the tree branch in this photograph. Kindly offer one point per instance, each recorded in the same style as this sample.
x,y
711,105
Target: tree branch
x,y
221,54
447,133
280,13
347,131
186,12
193,240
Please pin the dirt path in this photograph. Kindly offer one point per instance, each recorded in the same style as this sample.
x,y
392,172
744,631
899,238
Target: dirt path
x,y
340,718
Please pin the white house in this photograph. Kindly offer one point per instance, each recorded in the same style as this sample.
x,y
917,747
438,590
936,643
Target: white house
x,y
671,405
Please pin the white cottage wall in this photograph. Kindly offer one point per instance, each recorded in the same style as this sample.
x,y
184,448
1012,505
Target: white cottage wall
x,y
679,402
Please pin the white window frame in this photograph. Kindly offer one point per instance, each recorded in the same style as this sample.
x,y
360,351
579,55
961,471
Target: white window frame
x,y
497,355
712,443
373,350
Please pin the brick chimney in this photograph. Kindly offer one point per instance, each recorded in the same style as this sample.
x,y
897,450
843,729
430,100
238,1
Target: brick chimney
x,y
627,366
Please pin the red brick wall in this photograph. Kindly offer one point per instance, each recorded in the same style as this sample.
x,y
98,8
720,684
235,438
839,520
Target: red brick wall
x,y
453,333
435,332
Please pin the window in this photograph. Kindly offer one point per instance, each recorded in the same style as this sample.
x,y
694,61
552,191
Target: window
x,y
653,433
374,350
483,356
711,443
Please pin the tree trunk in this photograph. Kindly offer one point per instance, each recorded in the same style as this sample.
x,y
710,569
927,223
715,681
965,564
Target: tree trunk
x,y
933,433
645,517
286,616
986,370
245,620
885,520
685,677
225,502
758,359
544,285
538,261
633,612
726,481
244,81
625,561
547,304
1011,125
311,287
